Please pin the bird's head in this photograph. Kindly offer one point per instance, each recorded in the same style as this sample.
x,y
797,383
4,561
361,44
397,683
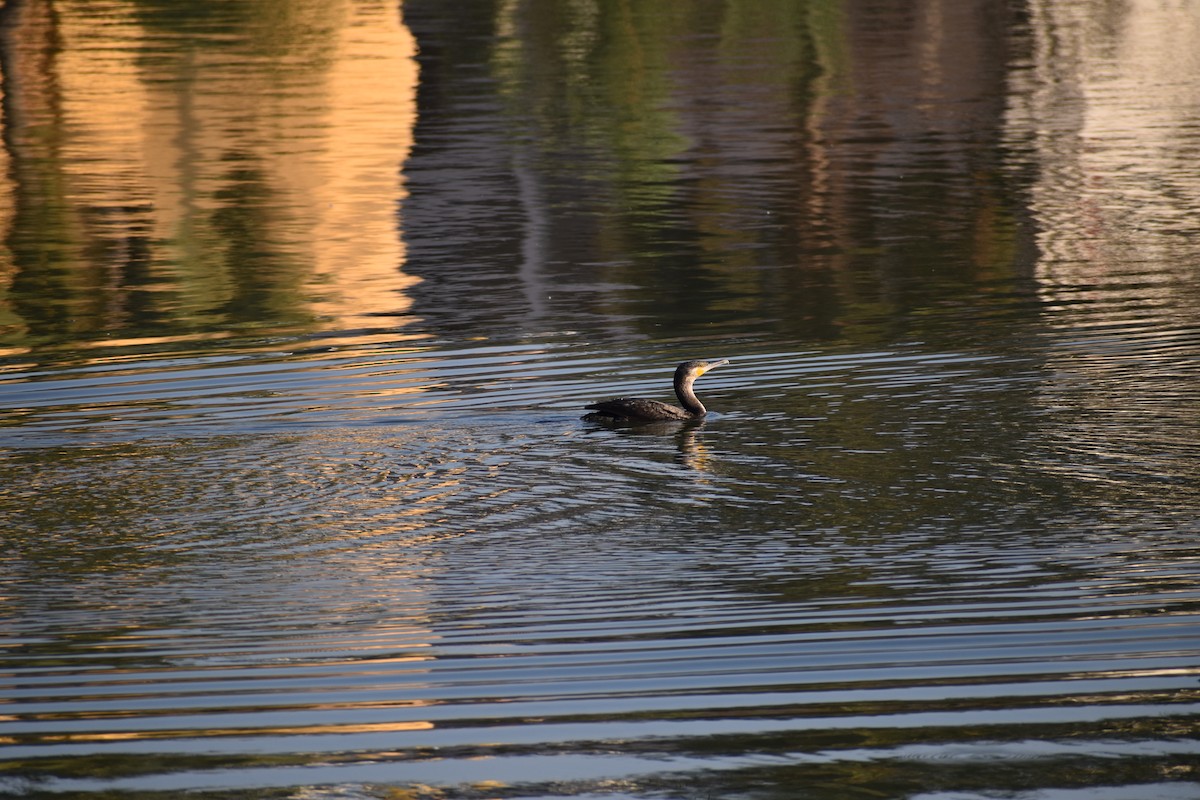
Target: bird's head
x,y
694,369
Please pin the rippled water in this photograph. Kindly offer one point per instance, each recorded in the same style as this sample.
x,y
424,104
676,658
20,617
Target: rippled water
x,y
417,565
296,497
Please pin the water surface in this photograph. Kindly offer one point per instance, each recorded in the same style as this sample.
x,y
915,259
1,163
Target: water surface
x,y
300,303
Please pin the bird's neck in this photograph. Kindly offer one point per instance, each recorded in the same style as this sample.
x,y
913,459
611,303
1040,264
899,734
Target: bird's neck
x,y
688,399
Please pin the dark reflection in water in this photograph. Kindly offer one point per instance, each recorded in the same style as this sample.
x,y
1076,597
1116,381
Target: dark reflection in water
x,y
736,166
300,304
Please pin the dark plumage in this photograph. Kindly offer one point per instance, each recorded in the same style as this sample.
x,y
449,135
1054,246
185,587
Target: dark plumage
x,y
638,409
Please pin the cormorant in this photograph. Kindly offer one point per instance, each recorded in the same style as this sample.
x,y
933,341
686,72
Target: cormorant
x,y
637,409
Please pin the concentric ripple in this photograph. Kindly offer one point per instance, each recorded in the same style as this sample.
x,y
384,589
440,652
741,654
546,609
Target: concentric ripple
x,y
405,584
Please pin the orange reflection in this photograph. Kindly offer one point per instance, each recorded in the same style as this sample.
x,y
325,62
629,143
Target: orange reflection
x,y
252,175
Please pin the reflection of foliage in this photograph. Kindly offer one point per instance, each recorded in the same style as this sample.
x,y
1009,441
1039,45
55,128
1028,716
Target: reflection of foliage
x,y
45,242
267,279
287,30
624,85
85,231
709,141
661,109
610,95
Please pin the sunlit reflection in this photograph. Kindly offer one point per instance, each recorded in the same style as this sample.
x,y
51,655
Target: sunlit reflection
x,y
249,179
1110,106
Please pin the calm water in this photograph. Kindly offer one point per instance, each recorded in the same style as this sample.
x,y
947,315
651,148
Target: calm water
x,y
300,302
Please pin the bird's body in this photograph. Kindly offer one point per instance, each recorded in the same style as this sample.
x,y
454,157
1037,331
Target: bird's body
x,y
638,409
630,409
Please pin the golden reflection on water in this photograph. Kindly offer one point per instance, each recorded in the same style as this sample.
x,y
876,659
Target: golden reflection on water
x,y
243,176
1109,105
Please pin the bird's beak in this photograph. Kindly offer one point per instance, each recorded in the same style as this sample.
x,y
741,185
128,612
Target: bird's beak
x,y
715,364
